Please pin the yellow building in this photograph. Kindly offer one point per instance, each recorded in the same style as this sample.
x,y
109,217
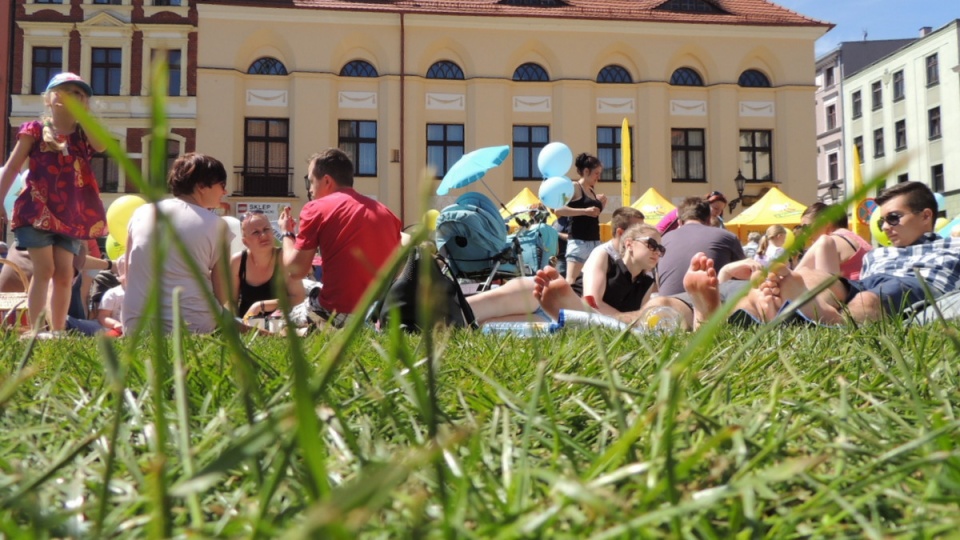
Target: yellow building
x,y
710,88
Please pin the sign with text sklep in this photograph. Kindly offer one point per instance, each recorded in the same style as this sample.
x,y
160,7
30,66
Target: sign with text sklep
x,y
270,209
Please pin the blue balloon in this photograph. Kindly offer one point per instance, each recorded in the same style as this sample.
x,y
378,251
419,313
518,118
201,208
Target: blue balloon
x,y
556,192
941,202
555,160
15,189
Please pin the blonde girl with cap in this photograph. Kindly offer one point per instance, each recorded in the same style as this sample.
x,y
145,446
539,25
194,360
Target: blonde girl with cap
x,y
60,205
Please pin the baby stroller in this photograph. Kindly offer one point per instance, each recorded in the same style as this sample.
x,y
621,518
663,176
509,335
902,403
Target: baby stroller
x,y
472,237
538,243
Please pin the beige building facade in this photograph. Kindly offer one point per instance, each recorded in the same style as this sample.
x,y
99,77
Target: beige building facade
x,y
399,88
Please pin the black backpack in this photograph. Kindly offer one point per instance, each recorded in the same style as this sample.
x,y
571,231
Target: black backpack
x,y
449,304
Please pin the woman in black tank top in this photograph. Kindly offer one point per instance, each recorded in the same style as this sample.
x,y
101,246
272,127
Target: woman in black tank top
x,y
584,212
253,270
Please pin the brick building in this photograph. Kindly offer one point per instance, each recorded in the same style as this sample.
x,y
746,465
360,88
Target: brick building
x,y
111,44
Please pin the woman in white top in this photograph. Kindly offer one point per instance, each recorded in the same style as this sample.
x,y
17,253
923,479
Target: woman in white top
x,y
197,183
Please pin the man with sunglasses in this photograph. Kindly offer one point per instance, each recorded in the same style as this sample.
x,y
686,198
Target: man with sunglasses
x,y
355,235
888,282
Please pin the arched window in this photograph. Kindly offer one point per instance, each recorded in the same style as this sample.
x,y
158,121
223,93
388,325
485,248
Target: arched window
x,y
267,66
614,74
445,69
752,78
530,72
358,68
686,77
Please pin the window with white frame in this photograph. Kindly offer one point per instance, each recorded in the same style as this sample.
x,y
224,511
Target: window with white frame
x,y
933,123
688,155
444,146
756,155
358,139
173,58
47,62
527,143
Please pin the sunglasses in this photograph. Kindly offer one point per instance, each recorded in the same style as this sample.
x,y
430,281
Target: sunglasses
x,y
892,219
306,182
651,244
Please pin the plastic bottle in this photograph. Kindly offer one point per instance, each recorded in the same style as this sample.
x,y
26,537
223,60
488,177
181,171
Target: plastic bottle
x,y
660,320
520,329
583,319
657,319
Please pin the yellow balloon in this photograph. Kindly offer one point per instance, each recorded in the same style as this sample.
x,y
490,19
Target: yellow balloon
x,y
875,228
118,215
430,219
940,223
114,249
788,239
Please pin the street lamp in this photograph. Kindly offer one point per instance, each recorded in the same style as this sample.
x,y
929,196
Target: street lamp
x,y
740,182
835,192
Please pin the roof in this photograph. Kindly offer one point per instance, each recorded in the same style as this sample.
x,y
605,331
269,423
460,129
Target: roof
x,y
737,12
856,55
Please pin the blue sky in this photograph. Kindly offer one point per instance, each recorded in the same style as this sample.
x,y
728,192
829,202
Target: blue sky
x,y
881,19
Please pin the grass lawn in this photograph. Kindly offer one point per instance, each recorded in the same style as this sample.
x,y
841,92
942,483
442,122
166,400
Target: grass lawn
x,y
780,433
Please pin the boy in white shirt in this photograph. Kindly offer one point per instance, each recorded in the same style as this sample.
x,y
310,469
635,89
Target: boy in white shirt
x,y
110,313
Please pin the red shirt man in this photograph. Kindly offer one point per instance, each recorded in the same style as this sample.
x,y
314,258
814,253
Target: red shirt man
x,y
354,233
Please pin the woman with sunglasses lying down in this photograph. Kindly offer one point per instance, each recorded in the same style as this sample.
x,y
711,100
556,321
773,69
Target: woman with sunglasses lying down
x,y
610,284
253,270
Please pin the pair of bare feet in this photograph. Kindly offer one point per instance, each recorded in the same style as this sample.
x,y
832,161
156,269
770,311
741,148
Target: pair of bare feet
x,y
763,302
701,283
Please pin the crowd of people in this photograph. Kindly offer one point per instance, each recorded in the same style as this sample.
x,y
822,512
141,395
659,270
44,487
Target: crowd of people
x,y
58,215
698,264
688,262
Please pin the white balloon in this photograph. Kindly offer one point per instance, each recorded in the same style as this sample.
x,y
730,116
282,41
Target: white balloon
x,y
233,225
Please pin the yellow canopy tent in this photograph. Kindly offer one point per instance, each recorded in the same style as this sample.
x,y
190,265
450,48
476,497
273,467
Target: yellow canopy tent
x,y
524,201
652,204
774,208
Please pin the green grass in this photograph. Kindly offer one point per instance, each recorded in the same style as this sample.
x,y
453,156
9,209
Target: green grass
x,y
783,433
763,433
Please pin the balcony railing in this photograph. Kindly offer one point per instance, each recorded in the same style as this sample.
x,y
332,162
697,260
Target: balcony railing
x,y
264,181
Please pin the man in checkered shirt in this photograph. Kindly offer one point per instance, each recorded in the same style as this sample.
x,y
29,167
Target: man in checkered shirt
x,y
888,283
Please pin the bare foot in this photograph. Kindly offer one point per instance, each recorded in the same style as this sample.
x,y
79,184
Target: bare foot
x,y
793,286
554,293
701,284
768,299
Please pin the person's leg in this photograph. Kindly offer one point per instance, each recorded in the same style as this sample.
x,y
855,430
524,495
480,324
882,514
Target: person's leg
x,y
573,270
554,293
76,308
84,326
62,287
824,308
865,307
43,265
514,297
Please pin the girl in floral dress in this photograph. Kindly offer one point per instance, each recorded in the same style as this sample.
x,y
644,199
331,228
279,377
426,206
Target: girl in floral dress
x,y
60,206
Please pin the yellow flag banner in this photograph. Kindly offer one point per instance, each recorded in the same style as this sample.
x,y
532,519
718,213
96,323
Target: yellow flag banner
x,y
626,174
861,227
